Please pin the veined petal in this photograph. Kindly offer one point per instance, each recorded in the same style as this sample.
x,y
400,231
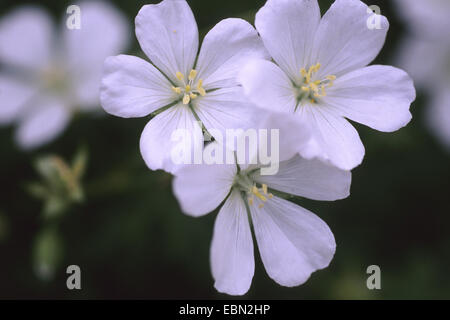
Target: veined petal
x,y
168,34
161,137
344,41
26,37
226,108
292,241
42,123
13,96
104,32
287,28
311,179
232,260
267,86
336,139
201,188
377,96
132,87
225,50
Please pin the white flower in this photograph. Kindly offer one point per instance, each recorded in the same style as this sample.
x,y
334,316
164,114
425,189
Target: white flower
x,y
425,54
292,241
47,77
177,86
321,76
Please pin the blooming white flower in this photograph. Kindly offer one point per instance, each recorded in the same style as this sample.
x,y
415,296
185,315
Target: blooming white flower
x,y
321,76
425,54
292,241
177,86
46,78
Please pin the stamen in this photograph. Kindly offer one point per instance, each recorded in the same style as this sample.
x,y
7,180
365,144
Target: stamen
x,y
176,89
258,194
192,74
186,99
316,89
193,96
180,76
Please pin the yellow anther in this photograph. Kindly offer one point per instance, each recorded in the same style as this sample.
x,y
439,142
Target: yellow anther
x,y
186,99
331,77
188,88
192,74
256,192
180,76
306,89
250,201
193,96
201,91
264,187
176,90
270,196
303,72
261,205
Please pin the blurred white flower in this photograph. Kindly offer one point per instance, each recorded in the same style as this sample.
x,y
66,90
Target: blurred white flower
x,y
46,76
321,74
177,86
425,54
292,241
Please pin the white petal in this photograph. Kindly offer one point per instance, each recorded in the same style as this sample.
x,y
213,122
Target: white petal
x,y
225,50
311,179
201,188
292,241
132,87
344,42
267,86
287,28
226,108
26,36
168,34
232,260
104,32
377,96
157,140
43,122
14,94
336,139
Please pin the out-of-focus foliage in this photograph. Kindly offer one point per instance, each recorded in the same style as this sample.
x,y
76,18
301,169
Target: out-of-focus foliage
x,y
131,240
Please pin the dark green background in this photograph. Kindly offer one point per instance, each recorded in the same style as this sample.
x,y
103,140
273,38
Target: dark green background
x,y
131,240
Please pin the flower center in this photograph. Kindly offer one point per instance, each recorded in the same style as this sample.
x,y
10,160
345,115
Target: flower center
x,y
253,193
190,89
312,89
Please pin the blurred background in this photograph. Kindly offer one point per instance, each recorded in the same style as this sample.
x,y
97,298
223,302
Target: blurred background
x,y
88,199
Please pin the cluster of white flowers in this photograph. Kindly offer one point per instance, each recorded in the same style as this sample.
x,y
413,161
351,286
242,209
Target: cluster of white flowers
x,y
297,72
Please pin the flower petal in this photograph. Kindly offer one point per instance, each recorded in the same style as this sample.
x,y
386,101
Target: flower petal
x,y
336,139
14,94
344,41
168,34
311,179
224,51
26,37
292,241
201,188
159,138
42,123
267,86
232,260
287,28
132,87
104,32
377,96
226,108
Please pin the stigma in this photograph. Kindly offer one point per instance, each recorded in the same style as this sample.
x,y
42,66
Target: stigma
x,y
191,88
260,194
312,89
